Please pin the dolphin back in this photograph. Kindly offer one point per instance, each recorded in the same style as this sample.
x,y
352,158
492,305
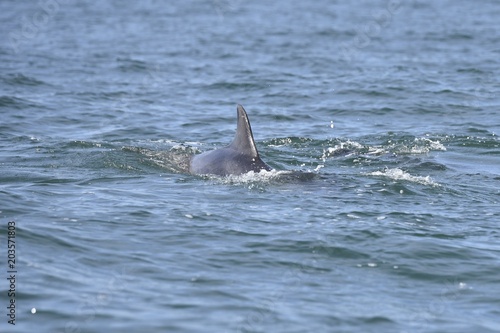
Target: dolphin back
x,y
240,157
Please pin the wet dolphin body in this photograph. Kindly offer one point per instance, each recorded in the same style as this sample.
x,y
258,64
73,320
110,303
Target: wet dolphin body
x,y
240,157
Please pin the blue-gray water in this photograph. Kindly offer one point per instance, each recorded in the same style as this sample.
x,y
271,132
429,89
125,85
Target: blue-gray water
x,y
394,105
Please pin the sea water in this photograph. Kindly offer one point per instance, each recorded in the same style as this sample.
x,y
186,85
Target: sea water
x,y
392,106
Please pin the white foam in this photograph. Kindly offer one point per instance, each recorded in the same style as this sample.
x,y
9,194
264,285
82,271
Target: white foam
x,y
376,151
398,174
249,177
424,145
348,145
434,145
254,178
318,167
421,146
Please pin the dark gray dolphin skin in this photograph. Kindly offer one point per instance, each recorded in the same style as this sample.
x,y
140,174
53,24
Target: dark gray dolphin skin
x,y
240,157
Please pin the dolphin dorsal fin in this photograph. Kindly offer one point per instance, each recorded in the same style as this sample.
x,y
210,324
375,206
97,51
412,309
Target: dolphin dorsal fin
x,y
243,140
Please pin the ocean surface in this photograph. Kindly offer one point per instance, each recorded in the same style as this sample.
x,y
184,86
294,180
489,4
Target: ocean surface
x,y
390,109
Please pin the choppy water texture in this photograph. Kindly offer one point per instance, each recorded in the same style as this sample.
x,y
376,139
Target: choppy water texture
x,y
394,107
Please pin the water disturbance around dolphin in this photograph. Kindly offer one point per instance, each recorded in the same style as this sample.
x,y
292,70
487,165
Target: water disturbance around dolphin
x,y
240,157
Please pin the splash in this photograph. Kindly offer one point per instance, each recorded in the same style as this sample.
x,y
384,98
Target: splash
x,y
342,148
398,174
420,146
252,176
263,176
415,147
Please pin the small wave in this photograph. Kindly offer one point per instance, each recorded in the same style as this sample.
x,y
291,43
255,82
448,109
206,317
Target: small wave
x,y
22,80
342,148
419,146
175,160
288,141
263,176
398,174
15,103
132,65
251,176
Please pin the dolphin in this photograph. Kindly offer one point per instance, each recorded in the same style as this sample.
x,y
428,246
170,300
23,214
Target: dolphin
x,y
240,157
